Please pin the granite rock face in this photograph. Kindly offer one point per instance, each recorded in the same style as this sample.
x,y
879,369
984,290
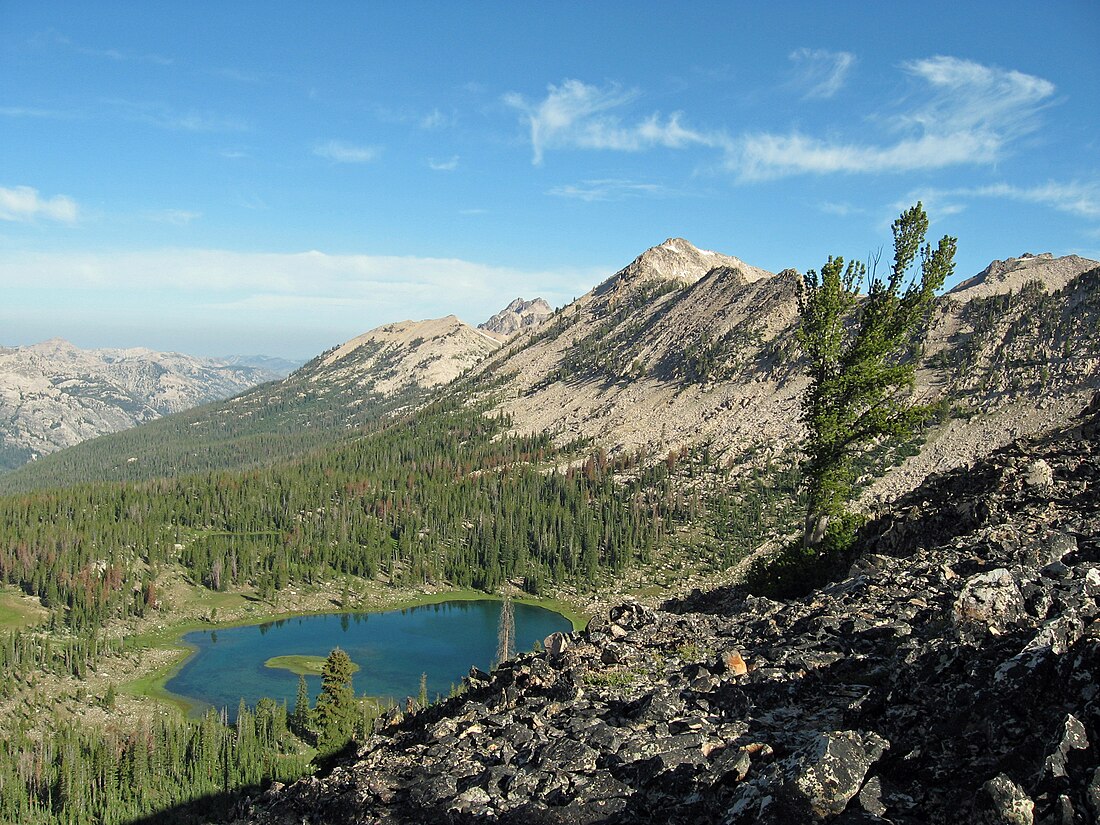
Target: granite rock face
x,y
54,395
517,316
953,676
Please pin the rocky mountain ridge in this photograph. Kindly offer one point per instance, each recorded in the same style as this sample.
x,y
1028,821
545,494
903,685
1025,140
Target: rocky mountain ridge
x,y
951,676
517,316
685,348
690,350
394,357
54,394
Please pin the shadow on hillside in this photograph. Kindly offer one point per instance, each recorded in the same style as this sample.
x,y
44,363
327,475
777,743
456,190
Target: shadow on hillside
x,y
227,806
213,808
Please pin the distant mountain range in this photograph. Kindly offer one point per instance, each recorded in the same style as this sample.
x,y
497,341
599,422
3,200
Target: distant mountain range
x,y
54,395
682,349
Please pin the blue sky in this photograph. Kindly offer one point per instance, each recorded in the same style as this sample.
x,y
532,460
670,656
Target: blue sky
x,y
267,177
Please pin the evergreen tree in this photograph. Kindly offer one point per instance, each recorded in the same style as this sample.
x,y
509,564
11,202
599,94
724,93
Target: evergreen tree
x,y
862,368
335,712
299,722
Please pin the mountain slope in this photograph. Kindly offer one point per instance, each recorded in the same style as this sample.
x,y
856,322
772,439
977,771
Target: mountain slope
x,y
54,395
685,348
394,357
950,677
319,404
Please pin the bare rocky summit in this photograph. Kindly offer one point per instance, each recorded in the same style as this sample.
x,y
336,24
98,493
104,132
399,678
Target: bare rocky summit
x,y
951,676
54,394
394,357
1012,274
517,316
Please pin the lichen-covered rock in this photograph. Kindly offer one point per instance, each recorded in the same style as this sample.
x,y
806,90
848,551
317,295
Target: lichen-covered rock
x,y
992,598
1002,802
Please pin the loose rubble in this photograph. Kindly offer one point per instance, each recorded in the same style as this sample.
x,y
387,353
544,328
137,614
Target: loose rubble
x,y
953,676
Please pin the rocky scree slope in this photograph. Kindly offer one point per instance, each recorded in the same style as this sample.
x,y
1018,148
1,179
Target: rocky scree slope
x,y
54,394
952,676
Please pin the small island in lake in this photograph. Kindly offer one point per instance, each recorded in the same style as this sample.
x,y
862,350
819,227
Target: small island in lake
x,y
302,665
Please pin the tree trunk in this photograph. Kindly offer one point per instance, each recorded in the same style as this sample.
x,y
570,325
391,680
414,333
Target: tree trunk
x,y
814,532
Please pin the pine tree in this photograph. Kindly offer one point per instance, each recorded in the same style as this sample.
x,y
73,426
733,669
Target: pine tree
x,y
299,722
335,711
862,368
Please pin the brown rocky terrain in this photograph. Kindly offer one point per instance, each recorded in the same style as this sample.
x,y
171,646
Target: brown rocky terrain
x,y
950,677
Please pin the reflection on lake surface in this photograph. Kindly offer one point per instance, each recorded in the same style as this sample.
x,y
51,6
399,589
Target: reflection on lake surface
x,y
392,650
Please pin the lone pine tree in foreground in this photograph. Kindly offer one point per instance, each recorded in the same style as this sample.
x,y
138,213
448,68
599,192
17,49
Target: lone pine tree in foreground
x,y
334,715
862,356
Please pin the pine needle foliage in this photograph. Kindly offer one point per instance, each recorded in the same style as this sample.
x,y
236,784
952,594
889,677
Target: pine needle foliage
x,y
862,352
334,716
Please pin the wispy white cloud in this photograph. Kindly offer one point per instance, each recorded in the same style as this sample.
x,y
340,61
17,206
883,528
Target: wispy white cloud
x,y
176,217
448,165
378,286
114,55
608,190
762,156
24,203
238,75
126,57
436,119
842,210
344,152
820,72
968,114
33,111
1074,197
576,115
168,117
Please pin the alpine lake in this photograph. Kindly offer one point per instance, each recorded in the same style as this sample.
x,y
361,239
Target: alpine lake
x,y
391,651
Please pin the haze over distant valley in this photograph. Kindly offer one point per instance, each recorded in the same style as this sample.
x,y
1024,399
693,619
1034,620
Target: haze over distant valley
x,y
54,395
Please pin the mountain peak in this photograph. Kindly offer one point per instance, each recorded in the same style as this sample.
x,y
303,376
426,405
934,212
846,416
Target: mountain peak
x,y
1011,274
518,315
679,260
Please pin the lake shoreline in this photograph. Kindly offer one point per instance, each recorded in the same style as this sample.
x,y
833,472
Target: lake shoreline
x,y
153,684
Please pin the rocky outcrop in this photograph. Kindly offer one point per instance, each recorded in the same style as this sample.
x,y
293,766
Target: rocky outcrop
x,y
517,316
952,676
54,394
1012,274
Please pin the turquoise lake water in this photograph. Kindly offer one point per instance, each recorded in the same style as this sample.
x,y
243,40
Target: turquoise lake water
x,y
392,650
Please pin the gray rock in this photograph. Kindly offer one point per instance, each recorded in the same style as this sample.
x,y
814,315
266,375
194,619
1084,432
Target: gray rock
x,y
1039,474
992,599
1071,736
1002,802
831,772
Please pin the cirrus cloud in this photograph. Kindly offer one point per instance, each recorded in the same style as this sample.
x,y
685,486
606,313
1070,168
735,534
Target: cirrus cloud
x,y
577,115
343,152
966,113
